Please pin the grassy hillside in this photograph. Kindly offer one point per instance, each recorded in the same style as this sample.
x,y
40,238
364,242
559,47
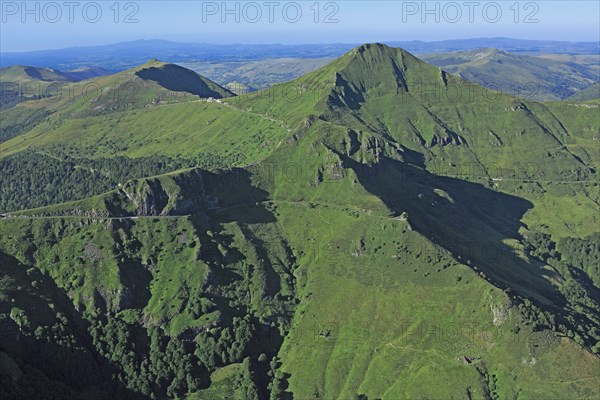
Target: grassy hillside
x,y
183,130
347,261
421,111
95,114
152,84
372,241
209,284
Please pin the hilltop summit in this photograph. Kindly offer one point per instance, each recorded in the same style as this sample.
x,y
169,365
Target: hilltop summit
x,y
179,79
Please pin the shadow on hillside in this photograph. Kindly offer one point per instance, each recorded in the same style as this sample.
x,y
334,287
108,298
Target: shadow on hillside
x,y
255,279
467,219
177,79
242,203
51,370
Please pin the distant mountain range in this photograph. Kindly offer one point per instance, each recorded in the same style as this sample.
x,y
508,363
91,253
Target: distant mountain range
x,y
521,75
129,54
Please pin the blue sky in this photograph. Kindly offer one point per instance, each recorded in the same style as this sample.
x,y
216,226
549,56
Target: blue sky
x,y
46,24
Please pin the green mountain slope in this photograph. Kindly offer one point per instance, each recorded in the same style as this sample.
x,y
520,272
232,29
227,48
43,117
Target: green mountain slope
x,y
90,114
451,123
152,84
382,241
168,123
534,78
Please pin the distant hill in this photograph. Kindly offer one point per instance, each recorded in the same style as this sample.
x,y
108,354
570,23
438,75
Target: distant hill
x,y
21,83
590,93
151,84
178,79
516,74
239,88
21,73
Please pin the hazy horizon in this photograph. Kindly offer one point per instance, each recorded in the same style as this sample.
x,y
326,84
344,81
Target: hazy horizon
x,y
295,44
32,26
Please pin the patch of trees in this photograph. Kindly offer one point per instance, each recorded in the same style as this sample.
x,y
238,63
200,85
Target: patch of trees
x,y
52,363
124,360
223,346
147,361
128,360
584,254
245,385
576,260
30,179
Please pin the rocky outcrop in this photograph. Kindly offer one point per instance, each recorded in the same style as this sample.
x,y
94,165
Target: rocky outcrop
x,y
179,194
450,138
148,196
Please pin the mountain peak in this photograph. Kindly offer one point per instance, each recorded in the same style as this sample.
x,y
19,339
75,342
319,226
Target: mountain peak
x,y
375,69
176,78
371,46
378,54
151,63
378,49
486,53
